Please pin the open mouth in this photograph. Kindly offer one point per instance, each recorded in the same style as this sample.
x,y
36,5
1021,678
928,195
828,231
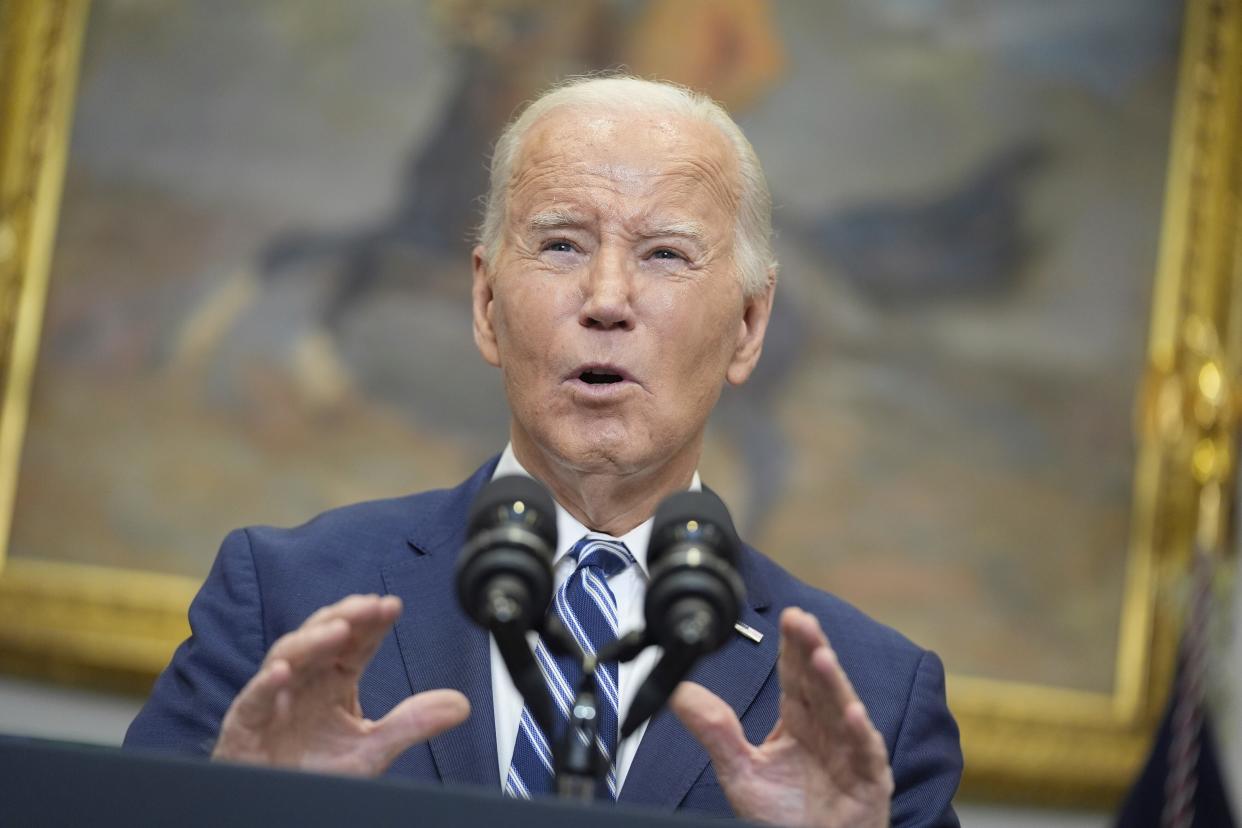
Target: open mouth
x,y
601,380
599,377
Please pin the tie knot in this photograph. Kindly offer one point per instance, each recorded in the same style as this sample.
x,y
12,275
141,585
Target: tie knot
x,y
606,554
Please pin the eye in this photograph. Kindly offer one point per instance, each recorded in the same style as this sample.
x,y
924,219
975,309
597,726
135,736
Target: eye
x,y
665,253
558,246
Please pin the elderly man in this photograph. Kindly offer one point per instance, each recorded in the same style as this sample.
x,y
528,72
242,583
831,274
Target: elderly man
x,y
624,275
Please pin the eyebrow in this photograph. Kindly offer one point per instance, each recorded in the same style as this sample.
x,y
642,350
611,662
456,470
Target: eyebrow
x,y
692,231
554,220
564,219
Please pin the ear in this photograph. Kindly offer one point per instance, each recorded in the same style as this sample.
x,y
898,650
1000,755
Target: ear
x,y
754,324
481,308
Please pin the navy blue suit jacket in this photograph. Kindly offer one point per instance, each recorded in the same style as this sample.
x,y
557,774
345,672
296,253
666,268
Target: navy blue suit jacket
x,y
265,582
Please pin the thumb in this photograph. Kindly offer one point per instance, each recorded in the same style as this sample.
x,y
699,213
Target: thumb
x,y
710,720
417,719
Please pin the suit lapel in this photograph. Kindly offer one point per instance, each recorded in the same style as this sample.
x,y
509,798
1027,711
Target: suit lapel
x,y
669,759
440,646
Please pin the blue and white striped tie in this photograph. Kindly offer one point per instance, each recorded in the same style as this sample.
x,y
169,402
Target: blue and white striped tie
x,y
588,609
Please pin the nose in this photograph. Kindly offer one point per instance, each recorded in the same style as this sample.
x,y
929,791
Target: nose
x,y
606,293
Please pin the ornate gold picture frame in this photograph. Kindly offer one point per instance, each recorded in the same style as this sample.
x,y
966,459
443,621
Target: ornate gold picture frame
x,y
116,628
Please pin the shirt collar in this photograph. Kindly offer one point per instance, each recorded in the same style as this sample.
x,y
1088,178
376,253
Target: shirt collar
x,y
569,530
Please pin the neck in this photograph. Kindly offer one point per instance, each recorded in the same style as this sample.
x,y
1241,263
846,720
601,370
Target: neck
x,y
609,501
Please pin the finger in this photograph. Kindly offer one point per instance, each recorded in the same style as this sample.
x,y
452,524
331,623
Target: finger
x,y
801,637
255,705
309,647
830,678
713,723
367,633
801,634
803,628
417,719
810,672
838,723
369,617
870,754
354,609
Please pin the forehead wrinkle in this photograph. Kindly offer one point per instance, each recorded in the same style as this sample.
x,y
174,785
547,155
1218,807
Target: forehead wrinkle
x,y
553,171
582,207
552,184
709,174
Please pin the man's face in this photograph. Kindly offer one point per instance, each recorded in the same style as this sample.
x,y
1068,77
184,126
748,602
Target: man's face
x,y
613,308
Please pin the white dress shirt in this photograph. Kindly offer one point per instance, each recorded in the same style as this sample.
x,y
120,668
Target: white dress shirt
x,y
629,587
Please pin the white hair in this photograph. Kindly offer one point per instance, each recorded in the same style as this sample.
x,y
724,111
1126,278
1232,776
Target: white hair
x,y
753,228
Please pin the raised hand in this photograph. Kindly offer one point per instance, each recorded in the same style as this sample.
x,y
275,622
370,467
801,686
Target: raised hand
x,y
301,709
824,763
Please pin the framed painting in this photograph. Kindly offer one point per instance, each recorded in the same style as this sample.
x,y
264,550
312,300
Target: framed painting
x,y
996,405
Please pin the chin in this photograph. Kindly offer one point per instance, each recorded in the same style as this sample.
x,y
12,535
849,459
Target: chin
x,y
599,456
600,445
596,450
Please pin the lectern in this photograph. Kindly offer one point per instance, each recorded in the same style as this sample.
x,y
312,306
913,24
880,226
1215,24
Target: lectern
x,y
44,783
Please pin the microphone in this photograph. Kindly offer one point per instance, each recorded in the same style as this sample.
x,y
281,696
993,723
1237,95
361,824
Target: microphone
x,y
695,595
504,576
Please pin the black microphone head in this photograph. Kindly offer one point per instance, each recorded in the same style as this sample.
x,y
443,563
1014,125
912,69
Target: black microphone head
x,y
504,574
698,517
695,595
514,499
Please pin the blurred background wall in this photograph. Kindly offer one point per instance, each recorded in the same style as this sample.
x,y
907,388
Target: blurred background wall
x,y
259,297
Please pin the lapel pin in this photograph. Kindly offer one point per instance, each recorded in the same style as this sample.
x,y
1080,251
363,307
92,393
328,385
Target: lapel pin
x,y
748,631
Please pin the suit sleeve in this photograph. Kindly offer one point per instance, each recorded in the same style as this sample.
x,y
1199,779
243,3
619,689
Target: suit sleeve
x,y
927,761
224,650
